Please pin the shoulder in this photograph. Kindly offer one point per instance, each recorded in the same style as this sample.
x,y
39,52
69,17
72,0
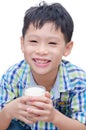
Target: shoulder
x,y
16,67
15,71
75,74
73,69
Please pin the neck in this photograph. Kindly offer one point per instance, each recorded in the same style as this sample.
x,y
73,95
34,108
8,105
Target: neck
x,y
45,80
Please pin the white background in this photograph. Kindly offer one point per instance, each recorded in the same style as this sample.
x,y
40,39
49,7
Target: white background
x,y
11,21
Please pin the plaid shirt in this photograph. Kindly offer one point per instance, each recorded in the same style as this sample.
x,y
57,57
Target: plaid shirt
x,y
71,87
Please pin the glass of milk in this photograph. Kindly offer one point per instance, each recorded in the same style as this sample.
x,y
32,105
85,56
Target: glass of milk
x,y
34,91
37,90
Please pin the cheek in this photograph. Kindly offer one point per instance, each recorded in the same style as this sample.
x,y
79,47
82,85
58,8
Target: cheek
x,y
27,50
27,56
27,53
58,53
57,59
57,56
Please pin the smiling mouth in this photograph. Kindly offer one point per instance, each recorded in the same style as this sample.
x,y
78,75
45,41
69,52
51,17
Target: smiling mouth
x,y
41,61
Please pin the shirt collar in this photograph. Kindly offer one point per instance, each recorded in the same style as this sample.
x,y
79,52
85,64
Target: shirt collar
x,y
64,80
54,91
61,84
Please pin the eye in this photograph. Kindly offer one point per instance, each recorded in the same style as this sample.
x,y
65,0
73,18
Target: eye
x,y
52,43
33,41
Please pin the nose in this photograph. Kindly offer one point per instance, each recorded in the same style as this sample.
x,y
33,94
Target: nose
x,y
42,49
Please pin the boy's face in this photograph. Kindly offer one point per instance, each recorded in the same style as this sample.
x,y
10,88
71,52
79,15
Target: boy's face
x,y
43,48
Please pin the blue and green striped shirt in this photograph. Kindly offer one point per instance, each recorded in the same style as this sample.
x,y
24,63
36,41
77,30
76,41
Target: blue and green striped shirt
x,y
68,92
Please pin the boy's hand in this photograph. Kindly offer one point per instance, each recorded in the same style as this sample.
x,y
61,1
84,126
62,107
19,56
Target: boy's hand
x,y
41,108
17,109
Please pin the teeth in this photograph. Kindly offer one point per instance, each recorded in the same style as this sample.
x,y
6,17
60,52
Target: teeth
x,y
41,61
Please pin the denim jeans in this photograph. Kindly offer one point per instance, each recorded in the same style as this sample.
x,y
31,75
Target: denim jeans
x,y
15,125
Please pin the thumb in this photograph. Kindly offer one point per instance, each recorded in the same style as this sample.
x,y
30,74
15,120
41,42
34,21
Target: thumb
x,y
47,94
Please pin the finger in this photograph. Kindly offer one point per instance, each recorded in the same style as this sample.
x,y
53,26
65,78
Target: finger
x,y
40,99
47,94
26,120
24,99
39,111
22,113
20,106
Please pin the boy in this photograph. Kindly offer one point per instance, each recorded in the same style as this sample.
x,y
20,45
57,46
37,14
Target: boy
x,y
46,38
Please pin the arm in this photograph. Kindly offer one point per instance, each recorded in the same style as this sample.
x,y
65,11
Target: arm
x,y
65,123
15,109
4,118
44,111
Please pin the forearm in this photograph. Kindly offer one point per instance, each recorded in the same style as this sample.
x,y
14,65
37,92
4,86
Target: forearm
x,y
65,123
4,119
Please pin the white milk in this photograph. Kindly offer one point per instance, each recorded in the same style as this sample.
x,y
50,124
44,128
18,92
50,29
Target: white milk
x,y
34,91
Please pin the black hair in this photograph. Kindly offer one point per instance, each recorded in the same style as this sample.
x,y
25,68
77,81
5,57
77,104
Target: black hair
x,y
56,13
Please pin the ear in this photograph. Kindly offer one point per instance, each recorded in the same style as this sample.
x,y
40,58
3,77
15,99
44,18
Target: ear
x,y
68,48
22,43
